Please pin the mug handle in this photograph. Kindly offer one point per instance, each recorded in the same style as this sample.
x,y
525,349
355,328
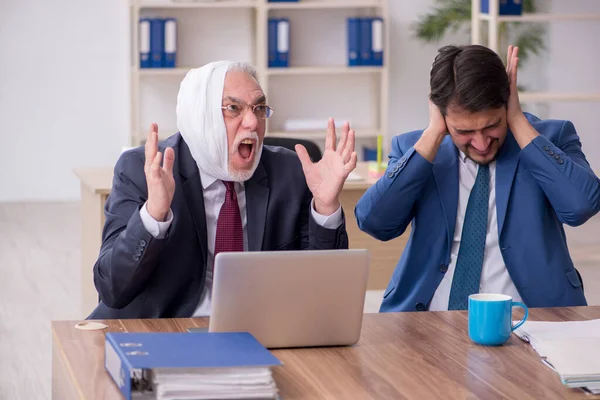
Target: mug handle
x,y
524,307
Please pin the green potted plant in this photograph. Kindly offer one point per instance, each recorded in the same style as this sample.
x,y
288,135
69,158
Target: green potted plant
x,y
452,15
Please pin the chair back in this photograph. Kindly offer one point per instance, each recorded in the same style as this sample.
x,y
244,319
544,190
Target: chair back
x,y
289,143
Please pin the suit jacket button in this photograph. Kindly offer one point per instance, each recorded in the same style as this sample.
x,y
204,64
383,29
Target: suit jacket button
x,y
556,156
561,161
546,148
143,243
420,307
443,267
551,152
138,253
136,258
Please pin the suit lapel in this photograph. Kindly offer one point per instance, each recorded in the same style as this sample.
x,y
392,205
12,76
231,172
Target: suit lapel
x,y
445,172
194,197
506,165
257,199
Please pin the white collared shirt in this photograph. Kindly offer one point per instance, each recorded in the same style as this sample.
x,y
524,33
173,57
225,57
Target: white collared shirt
x,y
214,197
494,275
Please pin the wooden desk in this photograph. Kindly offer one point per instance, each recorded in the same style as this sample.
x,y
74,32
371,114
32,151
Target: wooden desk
x,y
96,184
424,355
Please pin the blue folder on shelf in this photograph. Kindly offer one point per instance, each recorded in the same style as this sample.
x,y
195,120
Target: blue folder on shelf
x,y
144,41
141,363
170,47
377,41
365,44
278,42
506,7
353,32
157,42
365,37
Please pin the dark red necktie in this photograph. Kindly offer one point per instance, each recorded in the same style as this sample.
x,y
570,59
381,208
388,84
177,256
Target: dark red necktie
x,y
230,235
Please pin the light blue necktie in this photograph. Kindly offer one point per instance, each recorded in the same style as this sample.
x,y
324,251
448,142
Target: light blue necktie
x,y
467,273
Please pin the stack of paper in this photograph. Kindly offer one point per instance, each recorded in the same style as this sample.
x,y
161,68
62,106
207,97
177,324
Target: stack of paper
x,y
228,383
572,349
186,366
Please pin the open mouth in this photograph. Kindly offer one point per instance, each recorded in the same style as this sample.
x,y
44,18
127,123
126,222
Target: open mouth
x,y
246,149
484,152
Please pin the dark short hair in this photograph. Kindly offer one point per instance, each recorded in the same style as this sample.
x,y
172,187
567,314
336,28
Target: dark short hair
x,y
472,78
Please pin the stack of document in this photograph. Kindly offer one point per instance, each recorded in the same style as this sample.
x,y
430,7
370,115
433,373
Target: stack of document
x,y
189,366
571,349
227,383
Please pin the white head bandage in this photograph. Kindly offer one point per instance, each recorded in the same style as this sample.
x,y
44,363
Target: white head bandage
x,y
200,119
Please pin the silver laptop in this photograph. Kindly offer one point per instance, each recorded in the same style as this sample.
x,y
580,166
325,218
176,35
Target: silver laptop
x,y
291,298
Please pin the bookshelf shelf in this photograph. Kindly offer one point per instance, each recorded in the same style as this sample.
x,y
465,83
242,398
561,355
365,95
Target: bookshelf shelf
x,y
493,19
155,88
321,4
162,4
324,70
541,17
360,133
180,71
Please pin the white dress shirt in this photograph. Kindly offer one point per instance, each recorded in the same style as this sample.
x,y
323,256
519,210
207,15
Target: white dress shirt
x,y
214,197
494,275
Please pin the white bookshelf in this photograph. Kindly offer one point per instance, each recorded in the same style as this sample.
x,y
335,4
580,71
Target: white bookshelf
x,y
274,81
323,70
161,4
362,133
493,19
323,4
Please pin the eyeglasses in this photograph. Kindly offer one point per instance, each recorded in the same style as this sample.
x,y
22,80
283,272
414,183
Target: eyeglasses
x,y
261,111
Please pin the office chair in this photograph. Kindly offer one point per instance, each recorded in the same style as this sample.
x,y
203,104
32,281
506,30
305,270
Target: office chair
x,y
311,147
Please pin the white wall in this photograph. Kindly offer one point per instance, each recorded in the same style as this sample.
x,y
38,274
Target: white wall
x,y
572,66
63,93
64,90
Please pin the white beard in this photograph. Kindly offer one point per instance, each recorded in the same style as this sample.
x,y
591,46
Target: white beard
x,y
246,174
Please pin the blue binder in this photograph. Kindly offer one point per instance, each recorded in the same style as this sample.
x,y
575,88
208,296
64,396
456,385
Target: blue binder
x,y
272,39
377,41
283,42
279,42
170,47
157,42
365,47
144,42
353,32
507,7
127,355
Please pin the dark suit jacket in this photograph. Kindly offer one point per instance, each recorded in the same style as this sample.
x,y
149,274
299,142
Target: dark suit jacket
x,y
138,276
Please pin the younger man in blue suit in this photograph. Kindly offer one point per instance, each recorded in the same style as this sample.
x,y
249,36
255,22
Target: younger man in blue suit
x,y
487,189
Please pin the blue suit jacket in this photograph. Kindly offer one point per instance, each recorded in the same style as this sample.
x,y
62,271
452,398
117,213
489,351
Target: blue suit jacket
x,y
538,189
138,276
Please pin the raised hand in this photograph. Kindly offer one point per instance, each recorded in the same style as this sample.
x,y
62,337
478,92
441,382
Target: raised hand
x,y
514,106
161,185
326,178
429,142
518,124
437,122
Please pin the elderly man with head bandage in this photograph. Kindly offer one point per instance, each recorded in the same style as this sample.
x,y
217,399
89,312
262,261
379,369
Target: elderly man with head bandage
x,y
212,187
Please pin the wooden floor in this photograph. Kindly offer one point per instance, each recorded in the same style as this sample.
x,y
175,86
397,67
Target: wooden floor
x,y
40,275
